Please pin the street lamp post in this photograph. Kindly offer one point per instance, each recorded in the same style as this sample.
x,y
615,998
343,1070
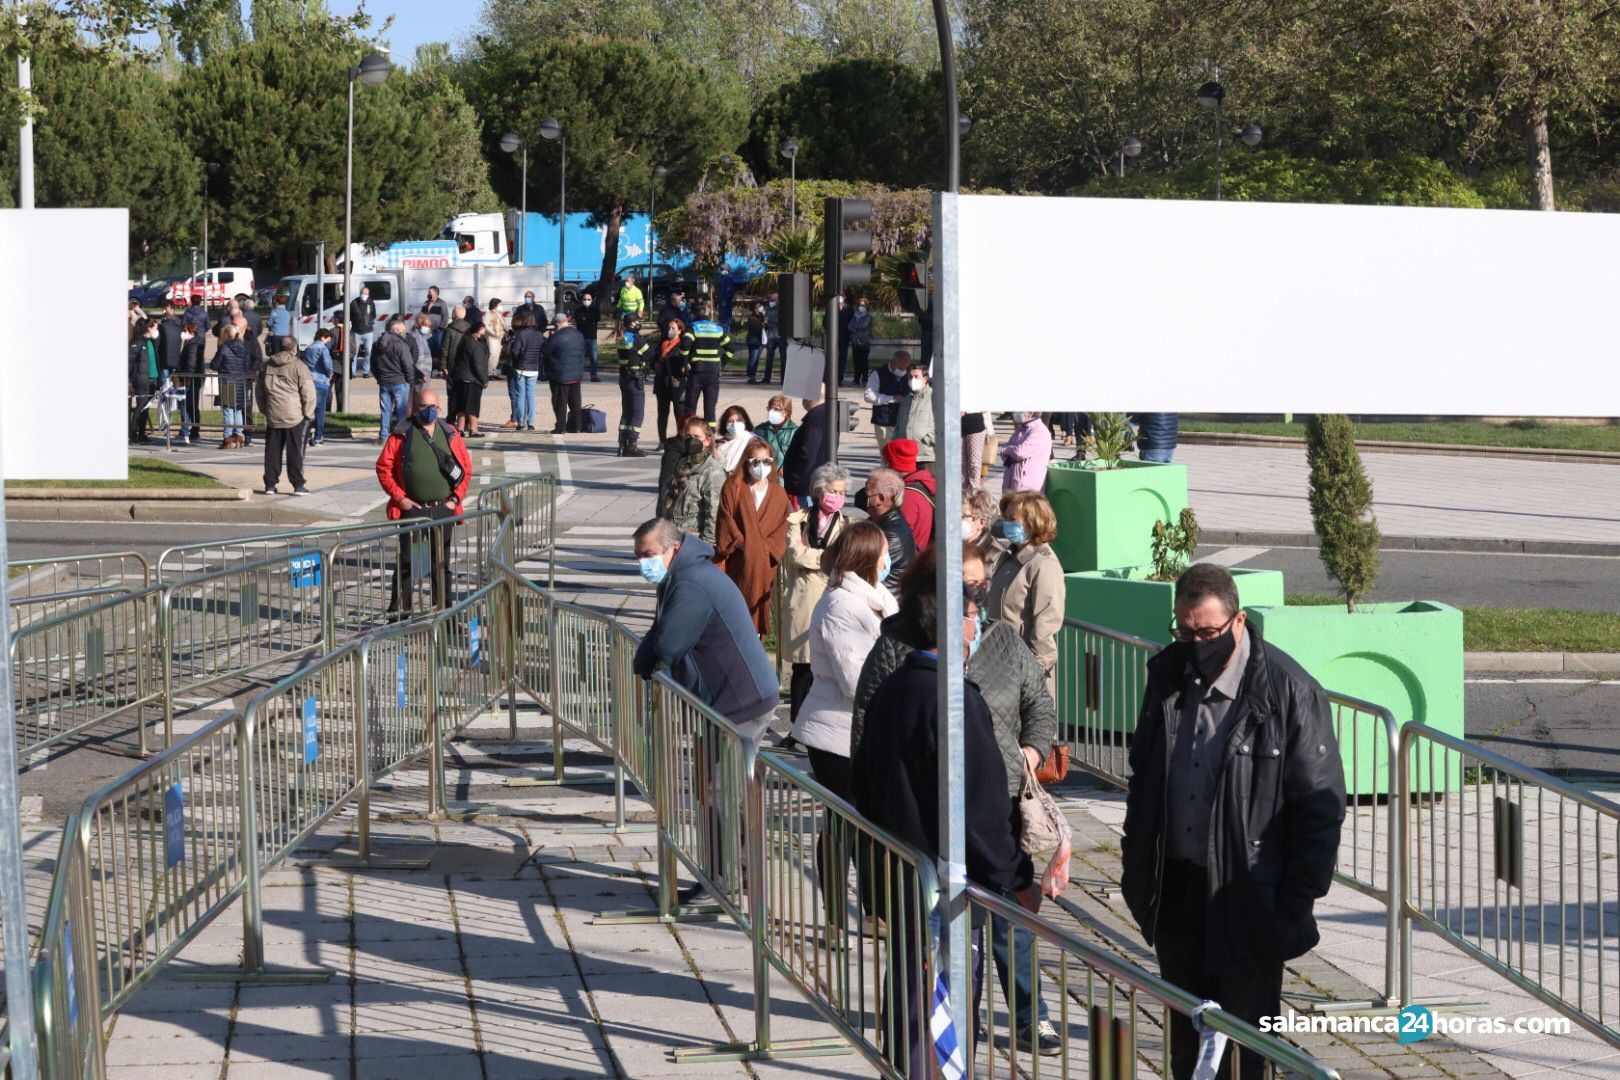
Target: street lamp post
x,y
551,129
790,150
511,144
372,70
1132,147
1210,96
659,172
209,169
193,266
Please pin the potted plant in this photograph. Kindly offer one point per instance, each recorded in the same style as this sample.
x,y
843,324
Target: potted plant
x,y
1106,505
1140,600
1405,656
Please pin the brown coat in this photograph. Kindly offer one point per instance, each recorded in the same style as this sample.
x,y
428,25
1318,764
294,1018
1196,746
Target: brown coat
x,y
749,543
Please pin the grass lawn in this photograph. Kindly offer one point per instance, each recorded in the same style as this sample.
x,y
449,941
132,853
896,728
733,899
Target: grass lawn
x,y
1517,433
1524,629
144,472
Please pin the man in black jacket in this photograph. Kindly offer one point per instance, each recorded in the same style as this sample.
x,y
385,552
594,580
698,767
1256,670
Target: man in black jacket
x,y
895,778
563,360
1233,816
535,312
804,452
885,490
586,320
363,324
249,329
393,365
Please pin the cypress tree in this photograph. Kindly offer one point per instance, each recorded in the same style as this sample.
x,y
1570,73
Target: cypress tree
x,y
1341,506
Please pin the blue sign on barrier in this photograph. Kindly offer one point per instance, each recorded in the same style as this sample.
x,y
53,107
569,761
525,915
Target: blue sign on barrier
x,y
472,639
312,732
305,570
72,983
174,826
399,678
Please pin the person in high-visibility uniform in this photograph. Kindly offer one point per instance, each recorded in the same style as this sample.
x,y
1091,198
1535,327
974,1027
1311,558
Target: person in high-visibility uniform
x,y
635,359
629,300
710,348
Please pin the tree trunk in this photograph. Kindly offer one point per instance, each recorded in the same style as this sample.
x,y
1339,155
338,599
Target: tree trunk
x,y
1539,153
610,255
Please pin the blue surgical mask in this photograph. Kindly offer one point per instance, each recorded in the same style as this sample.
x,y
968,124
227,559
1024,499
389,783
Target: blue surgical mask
x,y
653,569
883,567
428,413
978,636
1010,531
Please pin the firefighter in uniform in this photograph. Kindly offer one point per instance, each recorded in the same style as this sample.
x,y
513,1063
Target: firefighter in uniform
x,y
710,347
636,357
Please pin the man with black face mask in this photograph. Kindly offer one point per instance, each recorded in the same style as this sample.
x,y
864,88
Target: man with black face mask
x,y
425,468
1233,815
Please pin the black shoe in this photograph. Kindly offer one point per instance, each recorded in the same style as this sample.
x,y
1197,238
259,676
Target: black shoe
x,y
689,895
787,742
1046,1041
632,450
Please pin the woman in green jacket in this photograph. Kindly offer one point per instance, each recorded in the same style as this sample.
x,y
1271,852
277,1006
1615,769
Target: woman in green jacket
x,y
778,429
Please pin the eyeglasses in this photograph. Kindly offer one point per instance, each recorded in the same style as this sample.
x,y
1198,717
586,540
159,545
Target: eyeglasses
x,y
1201,633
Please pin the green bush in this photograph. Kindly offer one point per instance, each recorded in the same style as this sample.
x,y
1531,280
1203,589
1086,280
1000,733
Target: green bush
x,y
1341,505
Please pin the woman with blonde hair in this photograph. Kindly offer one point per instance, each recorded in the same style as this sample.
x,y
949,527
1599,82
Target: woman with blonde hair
x,y
1027,591
811,535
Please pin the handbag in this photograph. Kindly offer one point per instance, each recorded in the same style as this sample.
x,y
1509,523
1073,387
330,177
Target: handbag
x,y
1042,827
595,420
1055,768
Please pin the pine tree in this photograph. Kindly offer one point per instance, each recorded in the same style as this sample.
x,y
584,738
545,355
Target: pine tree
x,y
1341,505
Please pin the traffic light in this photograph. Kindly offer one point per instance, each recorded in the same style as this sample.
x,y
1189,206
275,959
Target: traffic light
x,y
914,287
843,240
846,414
793,305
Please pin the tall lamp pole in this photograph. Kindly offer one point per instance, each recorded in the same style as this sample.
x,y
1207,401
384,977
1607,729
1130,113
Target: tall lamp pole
x,y
209,169
372,70
511,144
790,150
658,173
551,129
25,135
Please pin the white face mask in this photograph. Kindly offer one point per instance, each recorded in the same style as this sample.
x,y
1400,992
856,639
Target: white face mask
x,y
916,386
737,429
970,528
759,469
774,417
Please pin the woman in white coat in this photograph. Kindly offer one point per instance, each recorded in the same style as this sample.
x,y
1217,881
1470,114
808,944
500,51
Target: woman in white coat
x,y
843,628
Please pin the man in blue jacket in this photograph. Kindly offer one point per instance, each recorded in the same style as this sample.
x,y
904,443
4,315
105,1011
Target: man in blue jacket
x,y
704,637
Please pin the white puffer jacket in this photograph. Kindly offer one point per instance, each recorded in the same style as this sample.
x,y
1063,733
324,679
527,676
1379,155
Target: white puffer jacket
x,y
843,629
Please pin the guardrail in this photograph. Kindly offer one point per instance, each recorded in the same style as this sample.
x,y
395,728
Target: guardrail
x,y
531,503
1517,869
41,589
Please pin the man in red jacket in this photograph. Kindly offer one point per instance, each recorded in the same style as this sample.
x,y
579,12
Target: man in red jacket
x,y
425,469
918,508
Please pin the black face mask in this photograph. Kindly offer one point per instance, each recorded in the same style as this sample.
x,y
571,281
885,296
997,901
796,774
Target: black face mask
x,y
1209,658
693,446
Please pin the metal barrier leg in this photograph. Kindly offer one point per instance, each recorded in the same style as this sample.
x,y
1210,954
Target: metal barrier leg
x,y
253,969
558,765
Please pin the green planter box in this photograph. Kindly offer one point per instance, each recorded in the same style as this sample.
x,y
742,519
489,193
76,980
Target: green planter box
x,y
1125,601
1407,657
1105,516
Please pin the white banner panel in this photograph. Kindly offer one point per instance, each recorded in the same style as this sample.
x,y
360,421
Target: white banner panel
x,y
1177,306
63,391
805,372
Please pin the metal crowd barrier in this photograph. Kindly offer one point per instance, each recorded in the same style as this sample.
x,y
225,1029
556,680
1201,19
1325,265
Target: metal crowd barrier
x,y
1518,870
531,503
387,574
41,589
1109,1015
86,666
209,556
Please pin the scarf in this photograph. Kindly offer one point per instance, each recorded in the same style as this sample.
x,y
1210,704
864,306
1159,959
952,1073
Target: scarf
x,y
686,467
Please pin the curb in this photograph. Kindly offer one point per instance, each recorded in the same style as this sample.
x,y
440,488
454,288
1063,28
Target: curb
x,y
232,511
1375,446
1468,544
1543,662
145,495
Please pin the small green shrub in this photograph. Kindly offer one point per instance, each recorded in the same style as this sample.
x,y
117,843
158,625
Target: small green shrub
x,y
1173,546
1110,437
1341,505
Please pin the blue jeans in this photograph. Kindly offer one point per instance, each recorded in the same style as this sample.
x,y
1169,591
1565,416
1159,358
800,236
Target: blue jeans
x,y
392,403
233,393
525,398
590,354
362,352
753,362
323,394
775,348
1161,455
1014,968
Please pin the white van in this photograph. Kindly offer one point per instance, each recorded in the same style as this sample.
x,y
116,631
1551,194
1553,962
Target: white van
x,y
300,293
406,290
216,286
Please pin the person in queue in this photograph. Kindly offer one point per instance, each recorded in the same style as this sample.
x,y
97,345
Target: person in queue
x,y
525,344
286,394
805,453
318,358
894,772
563,359
1024,719
885,388
844,626
778,429
672,367
425,468
233,364
1027,590
1027,454
733,435
690,481
1233,813
393,365
914,417
885,495
751,530
980,512
469,374
811,533
704,637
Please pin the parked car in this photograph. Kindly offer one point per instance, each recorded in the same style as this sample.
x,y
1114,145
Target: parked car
x,y
153,293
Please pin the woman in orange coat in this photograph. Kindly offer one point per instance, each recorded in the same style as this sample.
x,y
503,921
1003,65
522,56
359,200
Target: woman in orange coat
x,y
751,530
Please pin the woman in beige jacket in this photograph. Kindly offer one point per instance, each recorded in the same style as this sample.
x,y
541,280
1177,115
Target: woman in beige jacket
x,y
804,575
496,323
1027,591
